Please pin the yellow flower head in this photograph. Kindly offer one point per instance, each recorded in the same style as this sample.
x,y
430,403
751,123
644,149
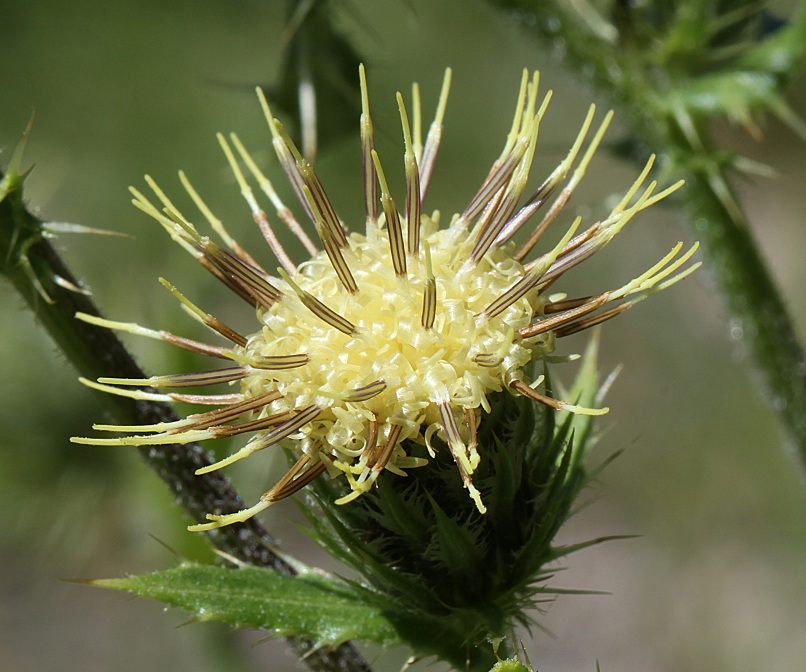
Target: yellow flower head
x,y
387,338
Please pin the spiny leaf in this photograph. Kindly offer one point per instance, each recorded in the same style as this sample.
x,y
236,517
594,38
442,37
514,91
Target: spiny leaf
x,y
562,551
457,545
313,606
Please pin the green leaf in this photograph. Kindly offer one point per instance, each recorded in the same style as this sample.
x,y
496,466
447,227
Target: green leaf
x,y
324,610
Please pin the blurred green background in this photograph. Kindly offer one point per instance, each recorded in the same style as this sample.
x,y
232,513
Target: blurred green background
x,y
717,580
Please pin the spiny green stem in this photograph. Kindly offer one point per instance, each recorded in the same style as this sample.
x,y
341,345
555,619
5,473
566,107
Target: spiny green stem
x,y
32,266
759,312
644,85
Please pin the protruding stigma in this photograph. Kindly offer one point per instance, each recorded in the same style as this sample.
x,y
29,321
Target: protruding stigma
x,y
434,137
577,176
297,477
504,207
530,280
266,439
242,278
367,147
258,214
466,460
215,223
196,379
429,291
556,404
318,308
412,182
267,188
396,246
332,247
205,318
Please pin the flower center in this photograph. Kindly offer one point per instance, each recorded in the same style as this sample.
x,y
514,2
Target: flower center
x,y
395,364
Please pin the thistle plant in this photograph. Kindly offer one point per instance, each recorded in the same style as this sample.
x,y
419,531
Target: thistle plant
x,y
389,339
391,348
408,367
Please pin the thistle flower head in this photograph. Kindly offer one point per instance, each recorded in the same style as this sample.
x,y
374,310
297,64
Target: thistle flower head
x,y
397,334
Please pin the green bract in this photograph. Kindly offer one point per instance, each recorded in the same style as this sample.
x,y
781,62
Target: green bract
x,y
434,573
463,576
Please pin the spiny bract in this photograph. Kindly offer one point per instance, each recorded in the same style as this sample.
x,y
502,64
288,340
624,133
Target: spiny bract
x,y
396,334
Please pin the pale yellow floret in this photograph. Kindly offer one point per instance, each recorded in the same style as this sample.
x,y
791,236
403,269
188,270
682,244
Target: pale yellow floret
x,y
268,189
139,395
230,518
417,123
257,212
129,327
391,344
582,167
215,223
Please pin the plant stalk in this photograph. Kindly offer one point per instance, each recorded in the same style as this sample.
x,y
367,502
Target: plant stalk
x,y
43,280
